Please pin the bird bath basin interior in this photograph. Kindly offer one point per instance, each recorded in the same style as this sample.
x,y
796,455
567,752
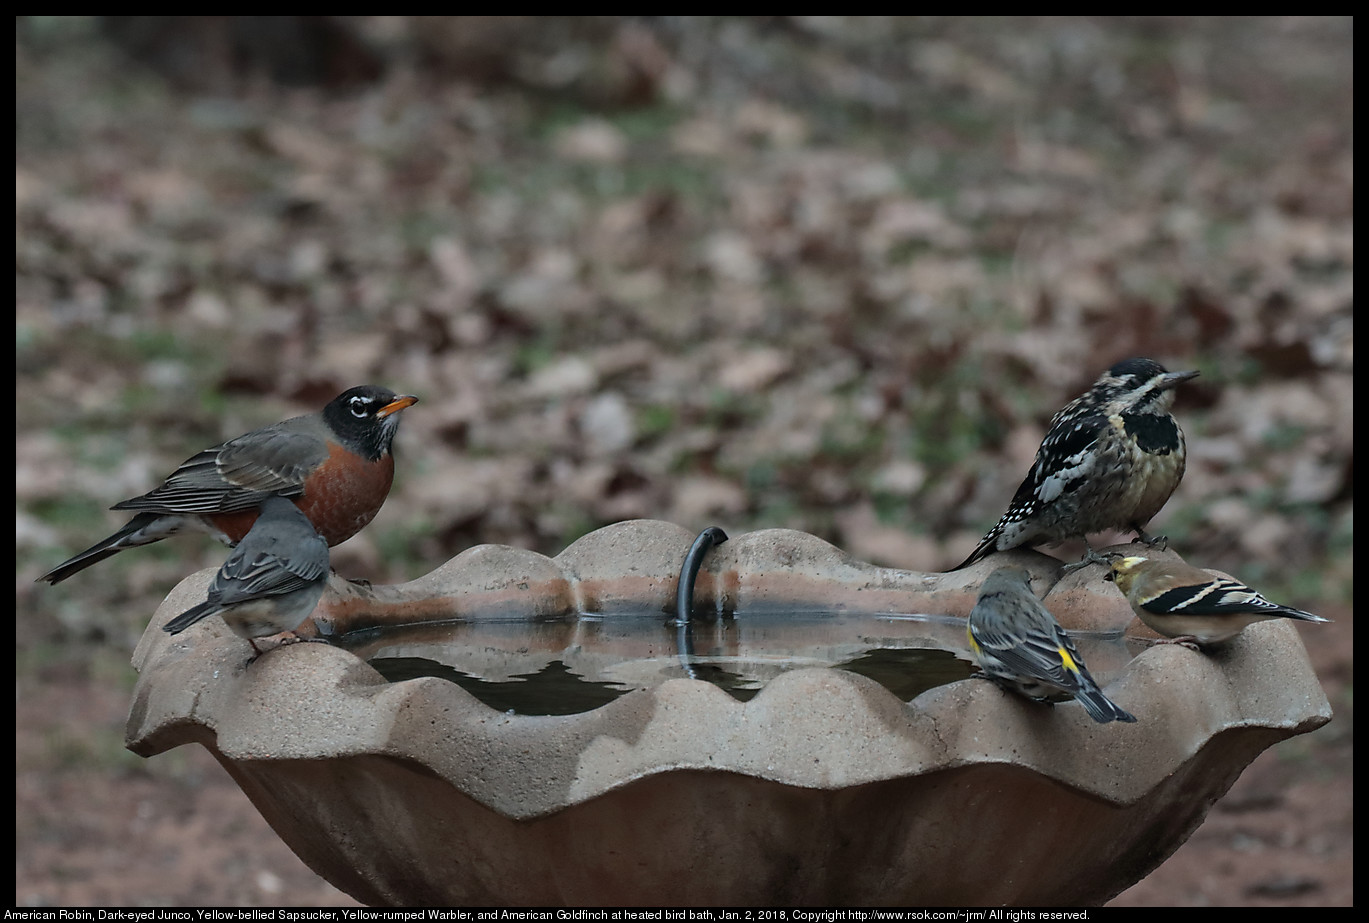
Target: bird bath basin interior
x,y
586,660
516,729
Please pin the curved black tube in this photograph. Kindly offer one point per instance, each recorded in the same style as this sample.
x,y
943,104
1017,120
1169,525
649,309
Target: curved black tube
x,y
684,591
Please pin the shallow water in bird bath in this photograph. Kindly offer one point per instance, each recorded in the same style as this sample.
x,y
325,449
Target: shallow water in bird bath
x,y
572,665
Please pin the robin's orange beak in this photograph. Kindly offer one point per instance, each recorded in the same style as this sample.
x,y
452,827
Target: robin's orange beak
x,y
396,405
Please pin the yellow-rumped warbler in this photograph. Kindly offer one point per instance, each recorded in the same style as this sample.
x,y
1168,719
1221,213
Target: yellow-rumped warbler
x,y
1021,647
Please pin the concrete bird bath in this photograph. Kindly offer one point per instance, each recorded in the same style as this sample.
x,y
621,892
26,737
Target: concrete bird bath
x,y
823,788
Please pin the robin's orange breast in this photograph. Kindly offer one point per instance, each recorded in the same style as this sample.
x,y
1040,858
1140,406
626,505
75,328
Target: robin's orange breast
x,y
340,497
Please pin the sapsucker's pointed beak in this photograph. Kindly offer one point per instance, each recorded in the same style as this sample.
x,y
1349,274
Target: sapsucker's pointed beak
x,y
1172,379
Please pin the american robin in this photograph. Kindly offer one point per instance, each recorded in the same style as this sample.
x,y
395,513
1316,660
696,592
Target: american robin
x,y
271,582
336,465
1022,648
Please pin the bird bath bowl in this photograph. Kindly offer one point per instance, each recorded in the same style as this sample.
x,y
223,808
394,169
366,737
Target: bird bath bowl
x,y
800,775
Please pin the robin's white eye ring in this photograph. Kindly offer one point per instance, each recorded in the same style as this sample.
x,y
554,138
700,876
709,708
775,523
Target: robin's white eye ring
x,y
360,407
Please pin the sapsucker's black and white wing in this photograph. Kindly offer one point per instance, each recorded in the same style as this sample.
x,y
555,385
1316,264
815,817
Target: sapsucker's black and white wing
x,y
1064,463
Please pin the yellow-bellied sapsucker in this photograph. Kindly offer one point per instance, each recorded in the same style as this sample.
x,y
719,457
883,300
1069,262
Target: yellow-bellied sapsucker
x,y
1111,459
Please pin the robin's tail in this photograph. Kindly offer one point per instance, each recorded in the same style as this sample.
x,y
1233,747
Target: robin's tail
x,y
143,529
1100,707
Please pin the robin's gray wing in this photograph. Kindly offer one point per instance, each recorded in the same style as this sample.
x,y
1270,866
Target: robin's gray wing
x,y
237,475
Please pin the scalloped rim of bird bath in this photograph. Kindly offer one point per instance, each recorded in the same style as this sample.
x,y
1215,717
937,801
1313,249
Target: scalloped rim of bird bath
x,y
964,771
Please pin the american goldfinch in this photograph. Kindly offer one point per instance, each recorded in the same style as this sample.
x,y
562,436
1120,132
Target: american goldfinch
x,y
1187,604
1022,648
1110,460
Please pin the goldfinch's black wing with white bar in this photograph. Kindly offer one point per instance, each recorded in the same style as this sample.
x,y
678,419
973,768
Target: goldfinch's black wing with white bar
x,y
1180,601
